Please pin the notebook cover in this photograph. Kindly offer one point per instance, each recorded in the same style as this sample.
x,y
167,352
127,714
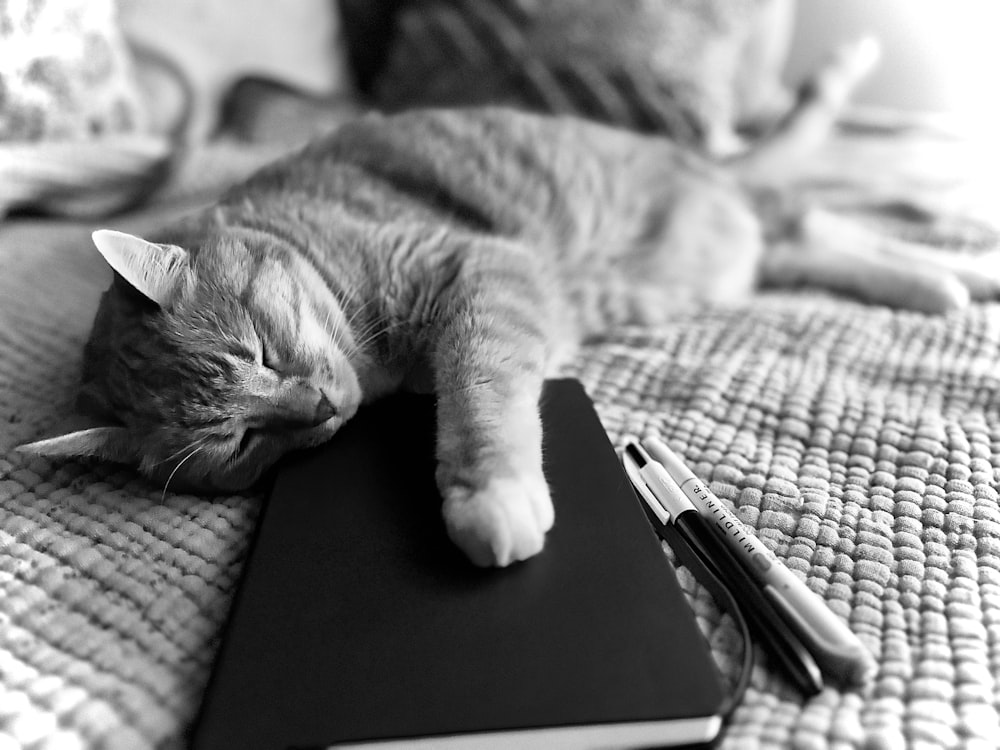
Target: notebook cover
x,y
357,619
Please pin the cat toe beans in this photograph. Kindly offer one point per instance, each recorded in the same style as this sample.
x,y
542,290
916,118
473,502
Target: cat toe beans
x,y
500,523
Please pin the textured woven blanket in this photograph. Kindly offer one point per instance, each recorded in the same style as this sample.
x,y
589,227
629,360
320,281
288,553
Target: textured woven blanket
x,y
863,444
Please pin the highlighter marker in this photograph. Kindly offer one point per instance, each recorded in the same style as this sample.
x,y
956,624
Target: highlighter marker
x,y
833,644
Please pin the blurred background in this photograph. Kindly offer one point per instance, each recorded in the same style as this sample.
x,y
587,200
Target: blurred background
x,y
937,55
96,96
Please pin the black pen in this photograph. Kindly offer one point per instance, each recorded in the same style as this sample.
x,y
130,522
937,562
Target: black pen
x,y
775,637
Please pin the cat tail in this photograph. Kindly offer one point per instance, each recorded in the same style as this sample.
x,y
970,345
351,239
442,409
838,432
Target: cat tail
x,y
776,157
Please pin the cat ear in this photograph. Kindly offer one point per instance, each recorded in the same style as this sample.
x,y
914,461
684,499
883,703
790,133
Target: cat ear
x,y
107,443
153,270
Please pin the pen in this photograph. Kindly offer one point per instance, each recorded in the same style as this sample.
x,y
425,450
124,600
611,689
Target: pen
x,y
833,644
775,637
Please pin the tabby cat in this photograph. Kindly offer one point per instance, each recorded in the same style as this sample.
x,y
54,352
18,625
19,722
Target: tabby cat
x,y
462,252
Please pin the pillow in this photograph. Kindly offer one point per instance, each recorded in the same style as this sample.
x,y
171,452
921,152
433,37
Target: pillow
x,y
64,72
692,69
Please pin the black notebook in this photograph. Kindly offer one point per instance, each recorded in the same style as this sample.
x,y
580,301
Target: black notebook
x,y
358,621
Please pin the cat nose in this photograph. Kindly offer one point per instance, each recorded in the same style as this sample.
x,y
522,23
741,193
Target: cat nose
x,y
324,409
296,405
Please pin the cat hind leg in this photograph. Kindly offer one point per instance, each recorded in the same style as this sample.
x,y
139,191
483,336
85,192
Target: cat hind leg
x,y
836,253
778,155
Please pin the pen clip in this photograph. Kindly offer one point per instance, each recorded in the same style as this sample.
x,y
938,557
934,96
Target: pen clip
x,y
660,519
643,491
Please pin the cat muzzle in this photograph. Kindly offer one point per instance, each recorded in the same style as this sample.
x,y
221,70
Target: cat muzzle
x,y
298,406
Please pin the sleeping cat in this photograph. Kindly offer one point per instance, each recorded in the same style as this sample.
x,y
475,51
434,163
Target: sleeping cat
x,y
464,252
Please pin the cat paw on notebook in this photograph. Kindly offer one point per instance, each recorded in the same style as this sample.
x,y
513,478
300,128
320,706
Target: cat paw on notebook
x,y
500,522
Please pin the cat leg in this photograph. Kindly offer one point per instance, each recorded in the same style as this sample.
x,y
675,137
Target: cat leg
x,y
836,253
489,361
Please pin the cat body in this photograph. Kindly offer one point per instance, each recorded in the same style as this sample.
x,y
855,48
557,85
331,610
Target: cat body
x,y
408,203
465,252
460,251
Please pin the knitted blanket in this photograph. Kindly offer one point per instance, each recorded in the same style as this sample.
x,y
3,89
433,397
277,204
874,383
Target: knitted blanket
x,y
863,444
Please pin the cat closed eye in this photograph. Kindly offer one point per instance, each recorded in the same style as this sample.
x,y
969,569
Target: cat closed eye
x,y
245,442
268,359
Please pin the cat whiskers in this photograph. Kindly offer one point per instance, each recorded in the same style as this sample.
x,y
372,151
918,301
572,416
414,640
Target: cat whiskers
x,y
356,314
347,325
196,442
373,332
166,484
359,340
335,327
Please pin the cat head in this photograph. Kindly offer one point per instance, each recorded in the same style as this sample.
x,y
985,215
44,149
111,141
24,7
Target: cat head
x,y
203,368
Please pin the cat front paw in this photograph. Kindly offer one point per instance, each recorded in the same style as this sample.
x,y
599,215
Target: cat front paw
x,y
501,522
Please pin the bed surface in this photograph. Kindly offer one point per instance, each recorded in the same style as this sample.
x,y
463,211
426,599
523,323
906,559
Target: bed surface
x,y
863,444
